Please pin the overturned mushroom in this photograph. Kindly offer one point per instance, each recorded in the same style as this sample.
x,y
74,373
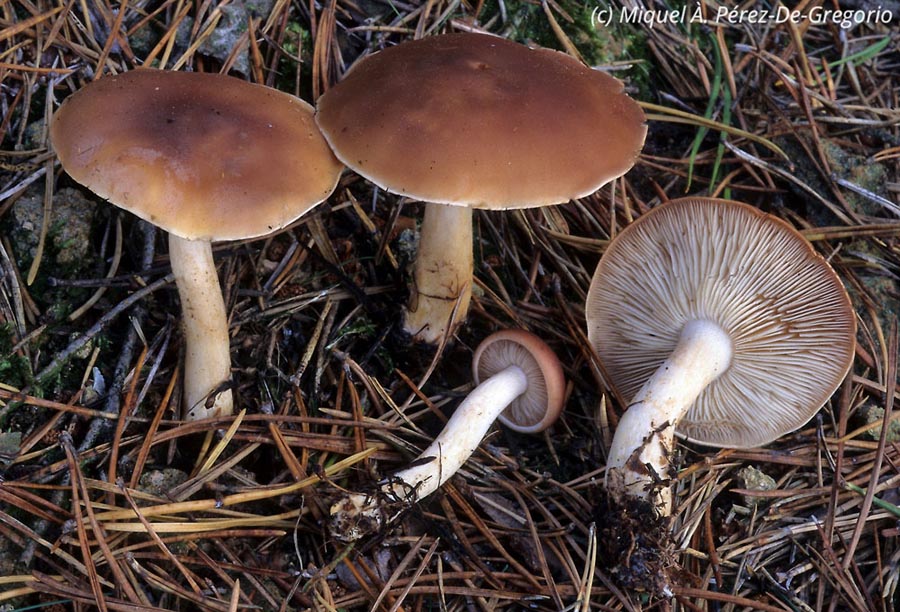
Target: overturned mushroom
x,y
726,328
205,157
524,379
723,325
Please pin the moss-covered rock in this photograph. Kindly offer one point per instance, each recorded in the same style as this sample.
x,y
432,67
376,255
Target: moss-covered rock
x,y
68,248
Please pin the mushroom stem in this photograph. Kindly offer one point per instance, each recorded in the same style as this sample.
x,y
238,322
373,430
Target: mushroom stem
x,y
639,456
358,514
442,273
207,361
461,435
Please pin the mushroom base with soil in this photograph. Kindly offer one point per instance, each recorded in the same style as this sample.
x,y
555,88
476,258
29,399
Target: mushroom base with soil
x,y
442,273
634,544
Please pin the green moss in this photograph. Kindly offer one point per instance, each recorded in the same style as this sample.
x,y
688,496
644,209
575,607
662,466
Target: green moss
x,y
598,44
68,248
861,172
361,327
14,368
871,413
297,43
296,38
605,45
753,479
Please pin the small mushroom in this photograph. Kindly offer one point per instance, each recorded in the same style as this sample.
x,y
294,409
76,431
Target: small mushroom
x,y
723,325
205,157
463,121
521,383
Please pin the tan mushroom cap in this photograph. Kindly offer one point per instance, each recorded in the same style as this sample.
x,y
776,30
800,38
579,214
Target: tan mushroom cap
x,y
540,406
789,317
204,156
476,120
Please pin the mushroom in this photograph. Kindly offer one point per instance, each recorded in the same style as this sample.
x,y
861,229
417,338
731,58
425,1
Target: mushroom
x,y
723,325
464,121
520,381
205,157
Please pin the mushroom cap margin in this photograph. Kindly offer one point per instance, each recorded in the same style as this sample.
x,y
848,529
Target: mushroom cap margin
x,y
542,403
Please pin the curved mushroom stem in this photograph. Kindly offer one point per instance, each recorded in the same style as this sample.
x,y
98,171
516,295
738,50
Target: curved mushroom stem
x,y
442,273
639,457
358,514
207,362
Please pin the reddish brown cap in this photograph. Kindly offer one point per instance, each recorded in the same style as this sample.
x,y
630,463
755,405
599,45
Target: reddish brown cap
x,y
204,156
476,120
789,318
542,403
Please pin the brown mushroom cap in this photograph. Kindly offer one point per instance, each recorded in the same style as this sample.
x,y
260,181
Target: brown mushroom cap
x,y
476,120
789,317
204,156
540,406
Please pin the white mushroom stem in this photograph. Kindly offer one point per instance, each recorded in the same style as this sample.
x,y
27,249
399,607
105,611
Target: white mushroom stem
x,y
462,434
358,514
442,273
640,450
207,362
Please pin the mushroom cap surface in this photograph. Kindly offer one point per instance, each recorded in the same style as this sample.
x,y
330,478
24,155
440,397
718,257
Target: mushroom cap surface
x,y
542,403
480,121
789,317
203,156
